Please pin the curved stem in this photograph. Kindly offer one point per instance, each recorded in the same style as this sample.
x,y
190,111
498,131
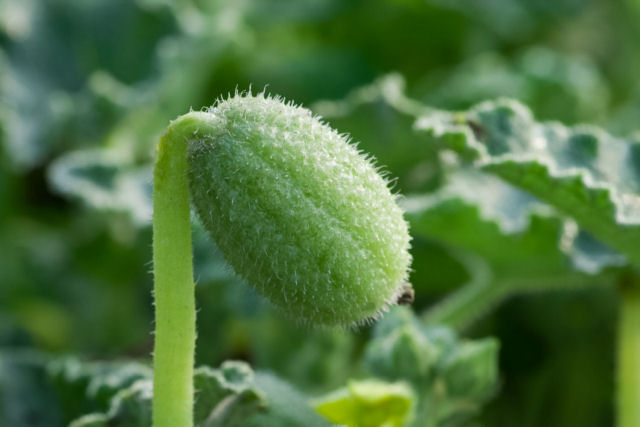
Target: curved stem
x,y
461,308
465,305
173,279
628,405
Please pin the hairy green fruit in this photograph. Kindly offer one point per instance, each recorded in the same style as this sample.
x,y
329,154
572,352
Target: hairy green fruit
x,y
297,211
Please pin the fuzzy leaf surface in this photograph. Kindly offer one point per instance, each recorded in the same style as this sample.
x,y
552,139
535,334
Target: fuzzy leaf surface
x,y
452,378
232,395
512,242
582,171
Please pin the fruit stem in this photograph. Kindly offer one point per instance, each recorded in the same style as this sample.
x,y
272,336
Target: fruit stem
x,y
628,405
175,315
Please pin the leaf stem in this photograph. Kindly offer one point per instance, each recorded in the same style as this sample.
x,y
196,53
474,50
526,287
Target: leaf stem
x,y
459,309
629,357
485,291
175,315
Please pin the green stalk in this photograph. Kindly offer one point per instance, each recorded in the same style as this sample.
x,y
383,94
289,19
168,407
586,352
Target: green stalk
x,y
459,309
629,357
174,291
465,305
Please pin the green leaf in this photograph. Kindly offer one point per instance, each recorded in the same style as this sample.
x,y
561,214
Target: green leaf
x,y
286,406
46,104
130,407
510,228
105,180
90,386
368,403
451,378
510,241
316,360
38,390
582,171
231,388
471,371
231,396
402,351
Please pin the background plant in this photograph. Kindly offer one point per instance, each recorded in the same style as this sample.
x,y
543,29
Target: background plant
x,y
80,116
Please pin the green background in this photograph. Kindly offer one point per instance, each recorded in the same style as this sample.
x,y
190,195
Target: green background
x,y
78,77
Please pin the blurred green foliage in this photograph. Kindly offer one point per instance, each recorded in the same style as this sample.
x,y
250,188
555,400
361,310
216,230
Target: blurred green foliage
x,y
451,378
86,88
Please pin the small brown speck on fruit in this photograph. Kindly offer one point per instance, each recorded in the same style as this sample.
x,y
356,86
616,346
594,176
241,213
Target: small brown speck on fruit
x,y
407,295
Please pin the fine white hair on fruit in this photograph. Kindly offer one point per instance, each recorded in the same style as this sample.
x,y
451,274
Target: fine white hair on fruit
x,y
298,211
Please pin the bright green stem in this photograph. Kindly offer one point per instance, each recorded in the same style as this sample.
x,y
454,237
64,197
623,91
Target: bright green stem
x,y
175,334
629,358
